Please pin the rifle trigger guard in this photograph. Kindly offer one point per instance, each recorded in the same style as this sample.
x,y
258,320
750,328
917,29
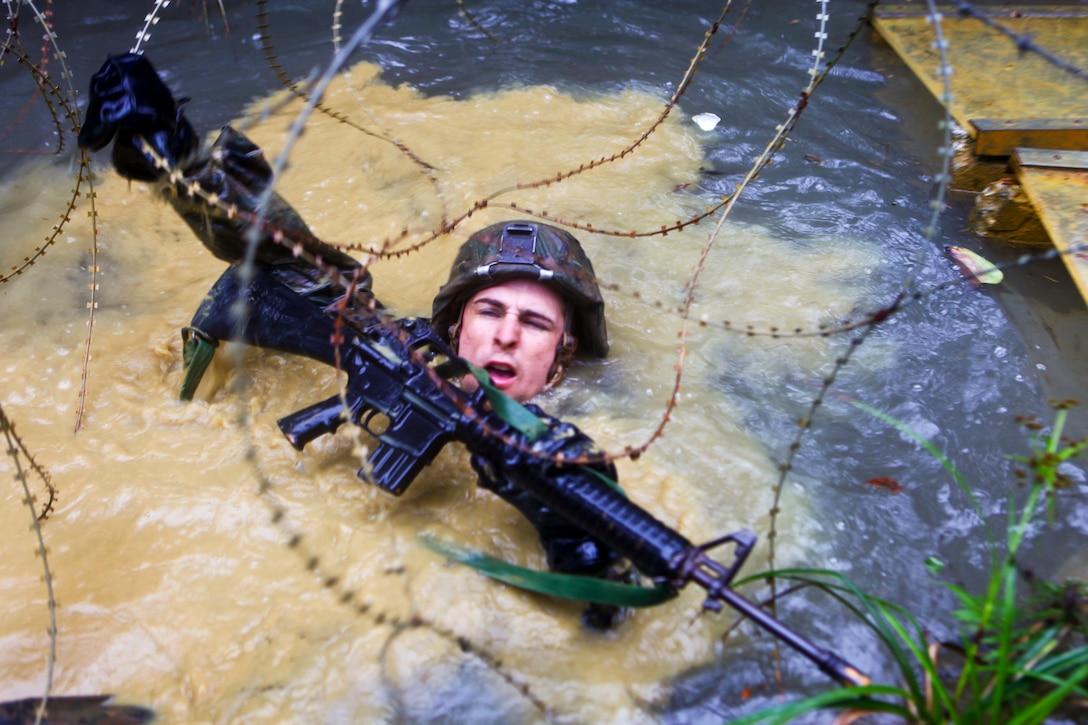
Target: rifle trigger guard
x,y
375,422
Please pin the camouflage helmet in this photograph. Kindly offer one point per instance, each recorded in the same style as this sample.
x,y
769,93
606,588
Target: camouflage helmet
x,y
524,249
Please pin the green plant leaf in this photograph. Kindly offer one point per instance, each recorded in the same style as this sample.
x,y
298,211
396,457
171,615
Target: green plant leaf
x,y
564,586
507,408
1039,711
879,615
854,698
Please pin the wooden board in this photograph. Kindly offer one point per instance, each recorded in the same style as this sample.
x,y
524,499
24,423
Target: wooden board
x,y
992,78
1057,184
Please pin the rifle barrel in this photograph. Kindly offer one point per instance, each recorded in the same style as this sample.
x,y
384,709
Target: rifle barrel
x,y
830,663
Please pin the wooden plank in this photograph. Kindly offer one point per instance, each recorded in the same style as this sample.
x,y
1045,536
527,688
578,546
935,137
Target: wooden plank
x,y
992,78
1060,196
1000,137
1055,158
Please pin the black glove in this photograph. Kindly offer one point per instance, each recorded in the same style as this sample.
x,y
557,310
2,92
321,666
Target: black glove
x,y
130,101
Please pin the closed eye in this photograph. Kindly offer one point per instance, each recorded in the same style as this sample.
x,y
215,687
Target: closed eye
x,y
538,322
489,309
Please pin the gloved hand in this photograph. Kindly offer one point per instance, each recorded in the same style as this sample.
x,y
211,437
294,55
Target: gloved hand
x,y
569,549
129,101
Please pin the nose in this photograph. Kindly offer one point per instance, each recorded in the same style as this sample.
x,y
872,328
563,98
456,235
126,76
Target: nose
x,y
508,331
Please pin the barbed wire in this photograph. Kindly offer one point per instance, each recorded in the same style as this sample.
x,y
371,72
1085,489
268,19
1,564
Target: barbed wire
x,y
863,325
15,448
1024,42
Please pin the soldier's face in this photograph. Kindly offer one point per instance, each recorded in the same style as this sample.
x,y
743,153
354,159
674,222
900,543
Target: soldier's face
x,y
513,330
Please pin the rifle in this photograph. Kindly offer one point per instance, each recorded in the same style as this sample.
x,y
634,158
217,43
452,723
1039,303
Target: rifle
x,y
394,392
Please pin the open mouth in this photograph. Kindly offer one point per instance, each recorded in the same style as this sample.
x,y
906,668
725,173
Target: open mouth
x,y
501,374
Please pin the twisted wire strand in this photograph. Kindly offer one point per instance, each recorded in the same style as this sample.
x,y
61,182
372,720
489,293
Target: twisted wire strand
x,y
15,446
1023,41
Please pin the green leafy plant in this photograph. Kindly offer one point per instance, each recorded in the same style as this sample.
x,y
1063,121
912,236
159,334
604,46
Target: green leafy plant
x,y
1019,657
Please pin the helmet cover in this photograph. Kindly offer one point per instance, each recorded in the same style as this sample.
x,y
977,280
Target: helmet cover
x,y
526,250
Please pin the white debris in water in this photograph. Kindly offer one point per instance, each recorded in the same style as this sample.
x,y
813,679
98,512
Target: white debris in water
x,y
706,121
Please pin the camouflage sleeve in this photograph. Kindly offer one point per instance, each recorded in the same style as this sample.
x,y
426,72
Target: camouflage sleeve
x,y
219,197
217,191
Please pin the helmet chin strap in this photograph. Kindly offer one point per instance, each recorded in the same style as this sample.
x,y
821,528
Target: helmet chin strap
x,y
455,334
564,353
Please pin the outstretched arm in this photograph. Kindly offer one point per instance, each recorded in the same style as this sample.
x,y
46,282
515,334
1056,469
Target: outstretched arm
x,y
218,191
